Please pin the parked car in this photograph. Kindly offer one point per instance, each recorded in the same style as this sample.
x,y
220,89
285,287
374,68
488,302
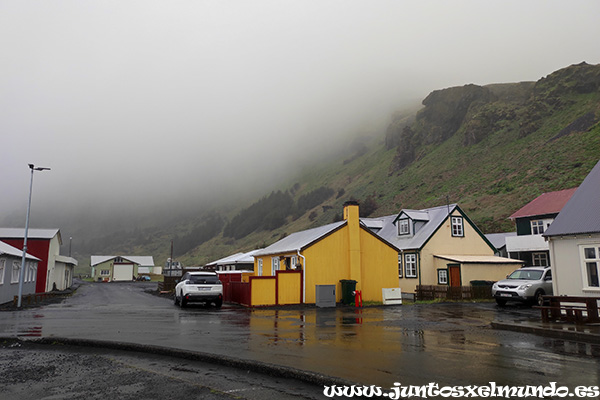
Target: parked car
x,y
199,287
526,284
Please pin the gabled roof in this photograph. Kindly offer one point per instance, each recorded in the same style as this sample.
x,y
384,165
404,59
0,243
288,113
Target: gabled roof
x,y
13,251
144,261
544,204
19,233
434,216
299,240
582,213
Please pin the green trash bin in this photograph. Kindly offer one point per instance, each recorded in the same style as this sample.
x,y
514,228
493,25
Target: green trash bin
x,y
348,287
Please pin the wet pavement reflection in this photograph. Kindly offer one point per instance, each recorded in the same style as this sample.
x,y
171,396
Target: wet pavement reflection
x,y
450,344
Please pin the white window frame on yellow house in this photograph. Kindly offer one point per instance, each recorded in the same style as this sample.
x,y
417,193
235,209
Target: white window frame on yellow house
x,y
260,266
442,274
400,274
274,265
412,262
458,226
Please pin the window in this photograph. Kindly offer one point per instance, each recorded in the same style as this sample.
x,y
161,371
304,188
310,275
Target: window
x,y
539,259
15,272
591,263
457,226
293,262
260,267
403,227
27,276
105,272
442,276
399,265
274,265
410,261
2,269
537,227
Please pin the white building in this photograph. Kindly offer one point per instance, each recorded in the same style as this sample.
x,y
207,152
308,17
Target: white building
x,y
574,241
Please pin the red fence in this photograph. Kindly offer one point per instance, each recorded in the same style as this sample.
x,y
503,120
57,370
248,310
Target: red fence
x,y
239,292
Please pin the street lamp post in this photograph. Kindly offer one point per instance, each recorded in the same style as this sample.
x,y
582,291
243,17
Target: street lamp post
x,y
22,272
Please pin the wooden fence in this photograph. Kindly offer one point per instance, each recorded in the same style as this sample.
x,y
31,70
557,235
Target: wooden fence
x,y
431,292
168,284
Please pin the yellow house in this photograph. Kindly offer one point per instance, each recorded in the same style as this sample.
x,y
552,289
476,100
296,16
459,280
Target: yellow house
x,y
440,246
345,250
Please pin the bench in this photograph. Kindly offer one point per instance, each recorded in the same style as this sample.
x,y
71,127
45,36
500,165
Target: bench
x,y
573,309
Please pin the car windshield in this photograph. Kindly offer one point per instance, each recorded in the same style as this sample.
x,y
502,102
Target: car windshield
x,y
532,275
204,279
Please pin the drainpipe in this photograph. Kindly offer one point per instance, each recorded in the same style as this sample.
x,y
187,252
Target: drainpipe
x,y
303,276
419,266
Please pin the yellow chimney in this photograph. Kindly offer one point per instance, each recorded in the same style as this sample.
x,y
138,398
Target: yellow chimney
x,y
351,215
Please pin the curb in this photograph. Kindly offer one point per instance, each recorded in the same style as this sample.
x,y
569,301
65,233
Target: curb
x,y
242,364
554,333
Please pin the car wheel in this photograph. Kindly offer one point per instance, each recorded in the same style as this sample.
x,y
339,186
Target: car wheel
x,y
218,303
501,302
175,298
539,300
182,301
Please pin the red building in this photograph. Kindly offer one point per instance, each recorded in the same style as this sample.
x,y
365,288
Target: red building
x,y
54,271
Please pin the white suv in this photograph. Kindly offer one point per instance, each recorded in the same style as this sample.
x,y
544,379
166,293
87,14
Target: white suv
x,y
527,284
199,287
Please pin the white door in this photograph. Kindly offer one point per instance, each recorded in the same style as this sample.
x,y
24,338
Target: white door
x,y
123,272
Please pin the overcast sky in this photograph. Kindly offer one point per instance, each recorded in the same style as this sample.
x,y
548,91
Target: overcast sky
x,y
149,99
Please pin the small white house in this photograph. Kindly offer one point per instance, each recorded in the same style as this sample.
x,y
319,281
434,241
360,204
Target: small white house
x,y
574,239
10,268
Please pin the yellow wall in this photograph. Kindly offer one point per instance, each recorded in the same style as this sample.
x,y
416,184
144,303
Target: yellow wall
x,y
486,272
379,267
477,271
263,292
327,262
290,285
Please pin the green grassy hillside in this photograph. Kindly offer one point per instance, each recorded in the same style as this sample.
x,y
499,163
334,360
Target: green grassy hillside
x,y
491,149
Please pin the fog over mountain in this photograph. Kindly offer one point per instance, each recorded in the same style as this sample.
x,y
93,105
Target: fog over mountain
x,y
152,104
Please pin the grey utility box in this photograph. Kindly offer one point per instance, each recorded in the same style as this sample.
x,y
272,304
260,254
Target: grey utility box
x,y
325,295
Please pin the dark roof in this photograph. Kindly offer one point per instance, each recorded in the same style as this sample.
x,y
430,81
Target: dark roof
x,y
546,203
582,213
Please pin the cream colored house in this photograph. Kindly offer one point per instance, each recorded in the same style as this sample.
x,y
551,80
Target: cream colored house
x,y
121,268
440,246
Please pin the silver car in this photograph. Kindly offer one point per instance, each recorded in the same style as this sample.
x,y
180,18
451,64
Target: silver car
x,y
526,284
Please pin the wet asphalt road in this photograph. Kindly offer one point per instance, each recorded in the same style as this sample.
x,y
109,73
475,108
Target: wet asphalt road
x,y
450,344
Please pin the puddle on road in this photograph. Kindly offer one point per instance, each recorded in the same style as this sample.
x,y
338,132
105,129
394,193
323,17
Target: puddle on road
x,y
573,348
